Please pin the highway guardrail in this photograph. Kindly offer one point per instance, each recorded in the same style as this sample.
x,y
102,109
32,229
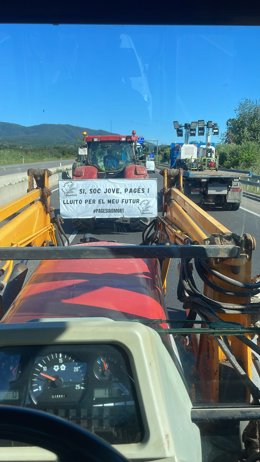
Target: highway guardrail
x,y
254,197
15,185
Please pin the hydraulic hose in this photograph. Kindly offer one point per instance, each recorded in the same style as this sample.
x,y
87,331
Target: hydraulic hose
x,y
204,276
208,318
57,221
188,285
254,390
255,286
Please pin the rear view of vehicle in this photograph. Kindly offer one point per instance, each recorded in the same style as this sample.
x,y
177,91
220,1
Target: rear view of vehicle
x,y
106,184
108,156
202,180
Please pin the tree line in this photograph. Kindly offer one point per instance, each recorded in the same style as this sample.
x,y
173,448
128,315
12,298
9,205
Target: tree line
x,y
240,147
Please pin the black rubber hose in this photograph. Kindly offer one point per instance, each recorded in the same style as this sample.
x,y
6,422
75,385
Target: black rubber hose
x,y
254,390
225,347
204,276
223,277
218,305
249,343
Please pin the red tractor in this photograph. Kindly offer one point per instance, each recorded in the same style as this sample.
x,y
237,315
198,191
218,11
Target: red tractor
x,y
108,156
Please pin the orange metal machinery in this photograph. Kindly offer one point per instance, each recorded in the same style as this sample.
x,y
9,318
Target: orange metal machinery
x,y
225,301
27,222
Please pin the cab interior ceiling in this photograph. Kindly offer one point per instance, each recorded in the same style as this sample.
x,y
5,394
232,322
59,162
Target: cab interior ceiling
x,y
143,13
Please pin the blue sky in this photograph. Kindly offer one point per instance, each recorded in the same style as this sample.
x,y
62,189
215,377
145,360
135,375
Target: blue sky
x,y
121,78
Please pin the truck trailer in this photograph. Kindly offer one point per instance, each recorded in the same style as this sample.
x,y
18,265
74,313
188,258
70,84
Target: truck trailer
x,y
203,181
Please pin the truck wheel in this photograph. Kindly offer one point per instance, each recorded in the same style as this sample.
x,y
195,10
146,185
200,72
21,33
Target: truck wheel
x,y
234,206
231,206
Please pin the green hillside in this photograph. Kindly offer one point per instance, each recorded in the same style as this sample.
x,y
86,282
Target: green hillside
x,y
43,135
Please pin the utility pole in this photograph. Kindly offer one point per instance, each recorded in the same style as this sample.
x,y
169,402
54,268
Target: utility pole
x,y
208,132
186,133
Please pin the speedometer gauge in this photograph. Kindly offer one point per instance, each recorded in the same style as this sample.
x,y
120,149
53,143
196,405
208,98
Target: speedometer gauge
x,y
57,378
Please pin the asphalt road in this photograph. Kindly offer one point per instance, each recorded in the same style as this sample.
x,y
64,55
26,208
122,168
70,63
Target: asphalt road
x,y
22,168
245,220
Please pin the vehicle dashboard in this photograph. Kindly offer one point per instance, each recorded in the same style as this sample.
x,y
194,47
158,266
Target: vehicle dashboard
x,y
91,385
114,378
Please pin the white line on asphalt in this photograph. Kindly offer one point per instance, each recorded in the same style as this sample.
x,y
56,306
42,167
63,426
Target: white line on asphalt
x,y
53,190
249,211
70,238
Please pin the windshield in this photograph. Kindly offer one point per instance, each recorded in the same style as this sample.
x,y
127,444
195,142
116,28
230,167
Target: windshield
x,y
110,156
191,93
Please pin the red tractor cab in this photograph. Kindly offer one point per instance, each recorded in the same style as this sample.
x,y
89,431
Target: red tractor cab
x,y
106,156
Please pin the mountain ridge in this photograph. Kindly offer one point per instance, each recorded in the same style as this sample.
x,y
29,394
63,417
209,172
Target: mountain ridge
x,y
44,134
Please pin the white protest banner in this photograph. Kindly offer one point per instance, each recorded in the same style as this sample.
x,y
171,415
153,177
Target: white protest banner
x,y
105,198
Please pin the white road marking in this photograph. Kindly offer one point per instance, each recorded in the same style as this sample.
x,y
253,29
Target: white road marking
x,y
249,211
71,238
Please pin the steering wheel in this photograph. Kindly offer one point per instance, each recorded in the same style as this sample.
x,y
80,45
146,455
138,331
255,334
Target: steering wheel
x,y
68,441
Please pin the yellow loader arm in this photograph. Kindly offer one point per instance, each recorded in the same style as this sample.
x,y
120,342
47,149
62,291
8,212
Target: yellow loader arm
x,y
27,221
226,299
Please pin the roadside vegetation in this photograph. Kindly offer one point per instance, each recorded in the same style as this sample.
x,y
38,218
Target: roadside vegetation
x,y
164,153
241,143
21,154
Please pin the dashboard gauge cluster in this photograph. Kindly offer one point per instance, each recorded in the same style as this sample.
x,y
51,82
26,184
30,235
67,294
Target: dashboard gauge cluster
x,y
57,377
91,385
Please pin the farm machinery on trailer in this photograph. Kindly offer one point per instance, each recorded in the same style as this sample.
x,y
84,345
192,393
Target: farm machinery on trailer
x,y
203,180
